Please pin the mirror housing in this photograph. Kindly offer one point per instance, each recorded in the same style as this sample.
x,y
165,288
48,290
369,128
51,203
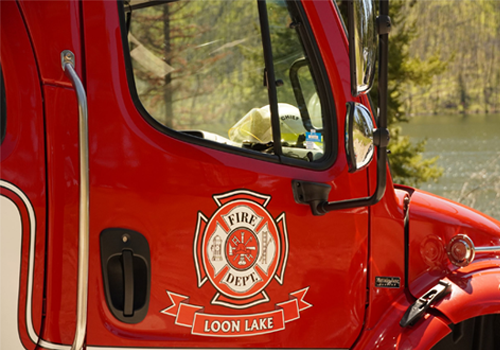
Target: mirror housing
x,y
362,44
359,137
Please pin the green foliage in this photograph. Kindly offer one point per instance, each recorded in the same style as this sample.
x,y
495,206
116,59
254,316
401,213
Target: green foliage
x,y
407,165
205,66
465,34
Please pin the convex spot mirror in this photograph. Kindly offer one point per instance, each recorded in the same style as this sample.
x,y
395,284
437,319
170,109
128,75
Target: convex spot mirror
x,y
362,44
359,136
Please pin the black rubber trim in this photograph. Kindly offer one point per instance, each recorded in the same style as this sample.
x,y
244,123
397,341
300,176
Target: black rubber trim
x,y
270,77
319,75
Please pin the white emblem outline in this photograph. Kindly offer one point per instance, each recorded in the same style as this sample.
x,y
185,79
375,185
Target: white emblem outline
x,y
280,255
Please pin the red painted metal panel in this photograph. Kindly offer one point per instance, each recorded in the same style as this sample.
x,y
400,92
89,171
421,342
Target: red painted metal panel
x,y
386,253
144,180
53,26
433,222
22,161
388,334
473,294
63,169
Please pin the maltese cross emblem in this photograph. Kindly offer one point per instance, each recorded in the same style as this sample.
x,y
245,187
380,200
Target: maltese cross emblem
x,y
240,249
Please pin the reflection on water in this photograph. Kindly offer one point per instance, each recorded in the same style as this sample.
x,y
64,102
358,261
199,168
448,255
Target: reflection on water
x,y
469,151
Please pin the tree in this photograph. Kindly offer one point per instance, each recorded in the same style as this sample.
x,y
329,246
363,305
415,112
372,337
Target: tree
x,y
407,164
466,34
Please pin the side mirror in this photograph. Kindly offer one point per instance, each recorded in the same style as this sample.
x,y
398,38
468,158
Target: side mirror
x,y
316,194
358,137
362,44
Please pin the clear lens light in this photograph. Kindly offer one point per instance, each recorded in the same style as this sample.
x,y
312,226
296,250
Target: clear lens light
x,y
461,250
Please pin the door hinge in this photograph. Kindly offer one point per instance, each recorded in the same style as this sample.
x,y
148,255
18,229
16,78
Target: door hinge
x,y
418,308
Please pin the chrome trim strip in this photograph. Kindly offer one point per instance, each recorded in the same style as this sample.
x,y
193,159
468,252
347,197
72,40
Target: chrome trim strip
x,y
68,62
491,249
470,250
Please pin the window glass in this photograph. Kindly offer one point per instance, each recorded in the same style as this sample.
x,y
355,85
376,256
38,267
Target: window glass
x,y
299,106
199,69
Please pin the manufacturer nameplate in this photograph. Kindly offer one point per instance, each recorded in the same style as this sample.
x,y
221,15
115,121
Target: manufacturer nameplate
x,y
387,282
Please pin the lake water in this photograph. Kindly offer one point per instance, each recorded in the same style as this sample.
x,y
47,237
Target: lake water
x,y
469,151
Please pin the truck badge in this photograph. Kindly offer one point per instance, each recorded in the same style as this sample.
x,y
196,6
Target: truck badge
x,y
240,249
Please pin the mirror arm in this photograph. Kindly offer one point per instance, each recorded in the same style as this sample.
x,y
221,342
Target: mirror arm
x,y
384,27
384,24
316,194
381,137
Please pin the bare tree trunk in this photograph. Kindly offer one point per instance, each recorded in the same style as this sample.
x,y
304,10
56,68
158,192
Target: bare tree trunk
x,y
167,94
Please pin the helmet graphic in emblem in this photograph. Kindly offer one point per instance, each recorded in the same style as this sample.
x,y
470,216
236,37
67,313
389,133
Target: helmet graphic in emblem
x,y
240,249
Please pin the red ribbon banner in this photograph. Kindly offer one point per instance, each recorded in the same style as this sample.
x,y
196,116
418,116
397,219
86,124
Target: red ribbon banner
x,y
192,316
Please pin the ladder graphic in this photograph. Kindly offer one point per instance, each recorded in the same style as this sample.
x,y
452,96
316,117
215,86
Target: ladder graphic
x,y
263,259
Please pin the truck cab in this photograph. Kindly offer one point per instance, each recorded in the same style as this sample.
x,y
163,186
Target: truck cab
x,y
213,174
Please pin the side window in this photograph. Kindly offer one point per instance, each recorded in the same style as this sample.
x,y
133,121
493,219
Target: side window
x,y
3,108
199,69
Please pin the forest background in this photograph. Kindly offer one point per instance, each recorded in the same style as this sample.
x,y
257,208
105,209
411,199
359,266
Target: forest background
x,y
443,60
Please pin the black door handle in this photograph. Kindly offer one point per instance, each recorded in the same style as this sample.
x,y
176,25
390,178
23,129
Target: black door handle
x,y
126,272
128,283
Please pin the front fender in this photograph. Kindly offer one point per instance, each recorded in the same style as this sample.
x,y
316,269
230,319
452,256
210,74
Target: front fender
x,y
472,295
433,222
388,334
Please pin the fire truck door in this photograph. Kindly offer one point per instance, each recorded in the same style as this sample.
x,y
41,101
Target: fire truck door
x,y
22,186
195,237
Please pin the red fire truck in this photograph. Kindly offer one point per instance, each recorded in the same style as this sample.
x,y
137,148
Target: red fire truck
x,y
212,174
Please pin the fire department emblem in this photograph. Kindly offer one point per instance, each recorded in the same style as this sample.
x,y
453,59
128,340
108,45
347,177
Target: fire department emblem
x,y
240,249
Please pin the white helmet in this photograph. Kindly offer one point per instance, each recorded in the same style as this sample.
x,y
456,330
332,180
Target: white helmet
x,y
255,126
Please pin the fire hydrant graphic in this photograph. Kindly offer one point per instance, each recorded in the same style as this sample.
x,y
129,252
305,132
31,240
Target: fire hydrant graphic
x,y
217,249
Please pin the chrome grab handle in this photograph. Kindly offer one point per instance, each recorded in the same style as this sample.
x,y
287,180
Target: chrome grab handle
x,y
68,66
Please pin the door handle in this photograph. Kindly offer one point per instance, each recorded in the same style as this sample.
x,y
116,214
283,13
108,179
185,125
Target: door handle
x,y
68,66
125,261
128,283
